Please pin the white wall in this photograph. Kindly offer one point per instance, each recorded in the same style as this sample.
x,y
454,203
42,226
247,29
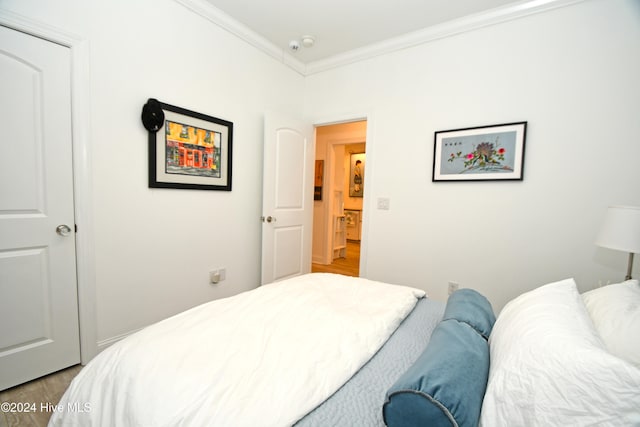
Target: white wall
x,y
155,247
572,73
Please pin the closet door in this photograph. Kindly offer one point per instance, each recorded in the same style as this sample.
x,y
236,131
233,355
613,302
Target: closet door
x,y
38,289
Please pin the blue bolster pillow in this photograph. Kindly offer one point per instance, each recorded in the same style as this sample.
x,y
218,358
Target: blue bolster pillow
x,y
469,306
446,384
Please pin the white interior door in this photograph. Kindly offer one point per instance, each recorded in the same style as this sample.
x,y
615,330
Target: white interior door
x,y
38,290
287,200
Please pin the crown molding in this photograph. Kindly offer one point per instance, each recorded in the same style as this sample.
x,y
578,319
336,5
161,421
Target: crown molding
x,y
226,22
447,29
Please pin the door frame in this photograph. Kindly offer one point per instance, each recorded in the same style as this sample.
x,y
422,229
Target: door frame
x,y
367,204
82,178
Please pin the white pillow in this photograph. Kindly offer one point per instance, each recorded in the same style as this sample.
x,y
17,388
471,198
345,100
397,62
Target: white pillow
x,y
615,311
550,368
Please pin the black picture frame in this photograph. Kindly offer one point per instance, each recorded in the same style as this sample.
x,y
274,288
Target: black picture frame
x,y
483,153
191,151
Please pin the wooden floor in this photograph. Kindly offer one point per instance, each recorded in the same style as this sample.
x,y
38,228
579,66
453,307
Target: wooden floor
x,y
349,266
28,403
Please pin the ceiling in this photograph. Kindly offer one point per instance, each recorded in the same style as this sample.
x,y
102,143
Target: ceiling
x,y
346,31
340,26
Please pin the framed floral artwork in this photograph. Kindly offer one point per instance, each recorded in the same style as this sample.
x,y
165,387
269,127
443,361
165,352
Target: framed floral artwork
x,y
485,153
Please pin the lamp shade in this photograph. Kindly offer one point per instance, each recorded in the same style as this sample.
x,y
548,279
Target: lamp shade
x,y
621,229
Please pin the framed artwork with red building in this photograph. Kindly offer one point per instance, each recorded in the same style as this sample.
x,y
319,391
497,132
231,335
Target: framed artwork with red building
x,y
190,151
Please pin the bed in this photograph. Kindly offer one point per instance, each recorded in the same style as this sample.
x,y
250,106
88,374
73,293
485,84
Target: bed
x,y
330,350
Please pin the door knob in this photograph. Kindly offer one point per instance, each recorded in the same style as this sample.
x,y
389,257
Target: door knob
x,y
269,219
63,230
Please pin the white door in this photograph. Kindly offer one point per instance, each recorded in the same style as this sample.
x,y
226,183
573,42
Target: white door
x,y
38,292
287,200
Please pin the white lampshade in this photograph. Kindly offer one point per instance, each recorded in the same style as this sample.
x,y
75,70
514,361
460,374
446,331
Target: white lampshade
x,y
621,229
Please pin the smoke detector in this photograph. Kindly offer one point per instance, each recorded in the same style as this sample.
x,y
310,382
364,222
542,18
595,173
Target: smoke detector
x,y
308,41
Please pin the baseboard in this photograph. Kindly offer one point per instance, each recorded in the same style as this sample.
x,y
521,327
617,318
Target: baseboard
x,y
106,343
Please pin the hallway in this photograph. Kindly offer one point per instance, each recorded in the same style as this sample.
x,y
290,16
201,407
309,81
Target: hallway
x,y
349,266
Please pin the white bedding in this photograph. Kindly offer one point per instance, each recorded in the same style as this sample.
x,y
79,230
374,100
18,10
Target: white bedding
x,y
550,368
264,357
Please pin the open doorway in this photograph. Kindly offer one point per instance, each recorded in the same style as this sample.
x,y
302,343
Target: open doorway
x,y
339,197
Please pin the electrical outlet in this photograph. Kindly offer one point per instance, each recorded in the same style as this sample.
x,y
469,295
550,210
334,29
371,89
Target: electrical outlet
x,y
453,286
217,276
383,203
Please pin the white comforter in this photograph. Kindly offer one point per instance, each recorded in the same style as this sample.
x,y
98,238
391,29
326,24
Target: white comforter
x,y
261,358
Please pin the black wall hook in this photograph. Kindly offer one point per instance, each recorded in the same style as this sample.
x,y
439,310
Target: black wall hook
x,y
152,115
